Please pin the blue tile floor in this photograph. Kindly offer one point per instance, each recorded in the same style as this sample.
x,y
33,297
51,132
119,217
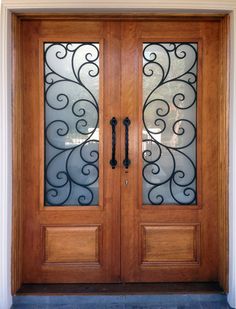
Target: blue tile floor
x,y
180,301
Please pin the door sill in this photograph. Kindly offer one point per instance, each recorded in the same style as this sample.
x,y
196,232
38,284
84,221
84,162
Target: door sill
x,y
119,288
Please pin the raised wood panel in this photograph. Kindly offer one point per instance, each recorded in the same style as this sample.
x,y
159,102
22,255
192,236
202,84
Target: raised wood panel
x,y
170,243
72,244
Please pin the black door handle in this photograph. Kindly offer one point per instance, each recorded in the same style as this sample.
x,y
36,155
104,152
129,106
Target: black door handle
x,y
126,161
113,123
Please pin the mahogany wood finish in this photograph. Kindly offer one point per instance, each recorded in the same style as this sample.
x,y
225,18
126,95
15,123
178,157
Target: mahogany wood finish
x,y
17,215
123,239
223,162
72,244
160,241
43,257
205,213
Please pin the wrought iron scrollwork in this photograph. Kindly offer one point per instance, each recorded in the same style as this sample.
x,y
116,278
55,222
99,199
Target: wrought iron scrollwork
x,y
169,119
71,123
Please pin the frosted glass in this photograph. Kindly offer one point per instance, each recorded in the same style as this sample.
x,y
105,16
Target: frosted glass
x,y
169,123
71,123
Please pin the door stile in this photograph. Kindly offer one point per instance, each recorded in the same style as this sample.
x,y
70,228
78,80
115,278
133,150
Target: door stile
x,y
129,177
112,109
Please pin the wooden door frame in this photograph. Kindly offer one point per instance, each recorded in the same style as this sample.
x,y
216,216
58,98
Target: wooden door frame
x,y
17,131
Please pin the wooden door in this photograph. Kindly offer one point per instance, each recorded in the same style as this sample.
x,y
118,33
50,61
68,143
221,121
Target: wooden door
x,y
169,228
71,222
91,212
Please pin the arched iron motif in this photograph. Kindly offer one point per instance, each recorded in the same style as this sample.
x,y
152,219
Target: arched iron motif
x,y
169,123
71,79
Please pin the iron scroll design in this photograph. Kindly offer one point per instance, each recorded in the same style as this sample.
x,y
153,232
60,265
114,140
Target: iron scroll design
x,y
169,123
71,82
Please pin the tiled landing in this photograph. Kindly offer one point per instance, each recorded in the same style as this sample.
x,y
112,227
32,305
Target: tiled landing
x,y
183,301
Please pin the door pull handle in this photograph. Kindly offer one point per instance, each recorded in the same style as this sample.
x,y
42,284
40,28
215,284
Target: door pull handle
x,y
126,161
113,123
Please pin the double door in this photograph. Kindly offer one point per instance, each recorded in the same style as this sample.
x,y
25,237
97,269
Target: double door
x,y
120,147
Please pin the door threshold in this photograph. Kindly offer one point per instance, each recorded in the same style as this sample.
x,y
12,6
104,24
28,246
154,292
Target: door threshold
x,y
119,288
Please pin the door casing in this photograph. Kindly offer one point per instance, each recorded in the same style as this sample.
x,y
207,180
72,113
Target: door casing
x,y
17,147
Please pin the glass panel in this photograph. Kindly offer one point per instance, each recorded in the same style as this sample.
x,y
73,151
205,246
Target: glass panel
x,y
169,123
71,123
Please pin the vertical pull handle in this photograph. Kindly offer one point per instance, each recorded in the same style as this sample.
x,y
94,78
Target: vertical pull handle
x,y
126,161
113,123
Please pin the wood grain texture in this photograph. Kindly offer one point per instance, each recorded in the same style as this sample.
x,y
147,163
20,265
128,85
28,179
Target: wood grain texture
x,y
130,108
72,244
173,244
206,213
16,157
223,210
106,215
